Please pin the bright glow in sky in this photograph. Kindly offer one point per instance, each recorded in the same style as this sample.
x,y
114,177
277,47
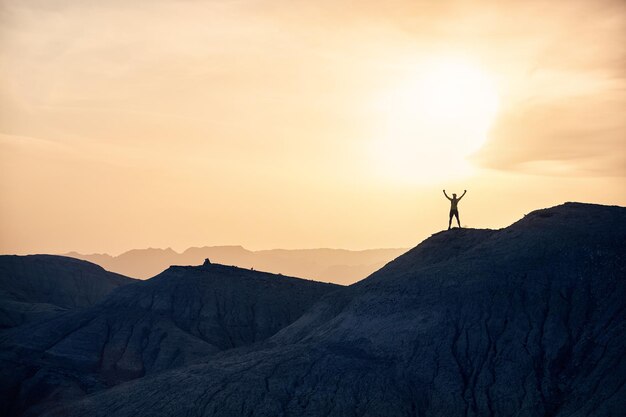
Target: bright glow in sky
x,y
274,123
435,121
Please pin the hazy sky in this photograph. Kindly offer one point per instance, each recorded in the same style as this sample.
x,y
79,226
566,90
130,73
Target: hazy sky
x,y
128,124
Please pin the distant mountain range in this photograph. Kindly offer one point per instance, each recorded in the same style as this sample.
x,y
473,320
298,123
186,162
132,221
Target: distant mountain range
x,y
338,266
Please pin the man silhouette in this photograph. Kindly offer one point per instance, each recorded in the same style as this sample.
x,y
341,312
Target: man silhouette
x,y
454,210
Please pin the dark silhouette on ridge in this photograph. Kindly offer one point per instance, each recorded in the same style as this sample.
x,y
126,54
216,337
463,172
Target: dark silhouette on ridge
x,y
454,210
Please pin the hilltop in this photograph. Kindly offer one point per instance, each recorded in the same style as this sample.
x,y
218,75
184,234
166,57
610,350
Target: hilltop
x,y
37,286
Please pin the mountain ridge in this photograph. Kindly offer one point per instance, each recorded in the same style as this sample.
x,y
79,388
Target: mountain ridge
x,y
522,321
183,315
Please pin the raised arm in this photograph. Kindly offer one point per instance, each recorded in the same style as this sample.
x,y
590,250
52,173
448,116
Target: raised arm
x,y
444,193
464,191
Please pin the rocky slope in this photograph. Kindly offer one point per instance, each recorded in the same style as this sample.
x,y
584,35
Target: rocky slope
x,y
34,286
328,265
181,316
524,321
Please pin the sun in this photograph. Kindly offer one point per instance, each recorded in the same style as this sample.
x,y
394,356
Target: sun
x,y
435,119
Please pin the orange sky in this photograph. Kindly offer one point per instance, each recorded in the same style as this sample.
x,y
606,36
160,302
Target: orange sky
x,y
293,124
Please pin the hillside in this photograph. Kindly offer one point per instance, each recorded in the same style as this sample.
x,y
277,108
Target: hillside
x,y
182,316
327,265
34,286
524,321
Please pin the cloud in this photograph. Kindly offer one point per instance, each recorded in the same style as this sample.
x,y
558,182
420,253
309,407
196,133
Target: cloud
x,y
580,138
565,115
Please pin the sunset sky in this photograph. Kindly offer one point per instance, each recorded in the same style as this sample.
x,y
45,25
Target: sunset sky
x,y
301,124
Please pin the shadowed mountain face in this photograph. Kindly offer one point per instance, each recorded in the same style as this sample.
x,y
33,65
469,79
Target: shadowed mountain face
x,y
524,321
35,286
328,265
184,315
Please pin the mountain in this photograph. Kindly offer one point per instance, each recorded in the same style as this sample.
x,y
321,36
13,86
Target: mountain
x,y
339,266
34,286
137,263
524,321
182,316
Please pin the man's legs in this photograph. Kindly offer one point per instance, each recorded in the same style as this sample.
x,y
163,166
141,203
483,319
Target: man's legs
x,y
450,221
457,219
